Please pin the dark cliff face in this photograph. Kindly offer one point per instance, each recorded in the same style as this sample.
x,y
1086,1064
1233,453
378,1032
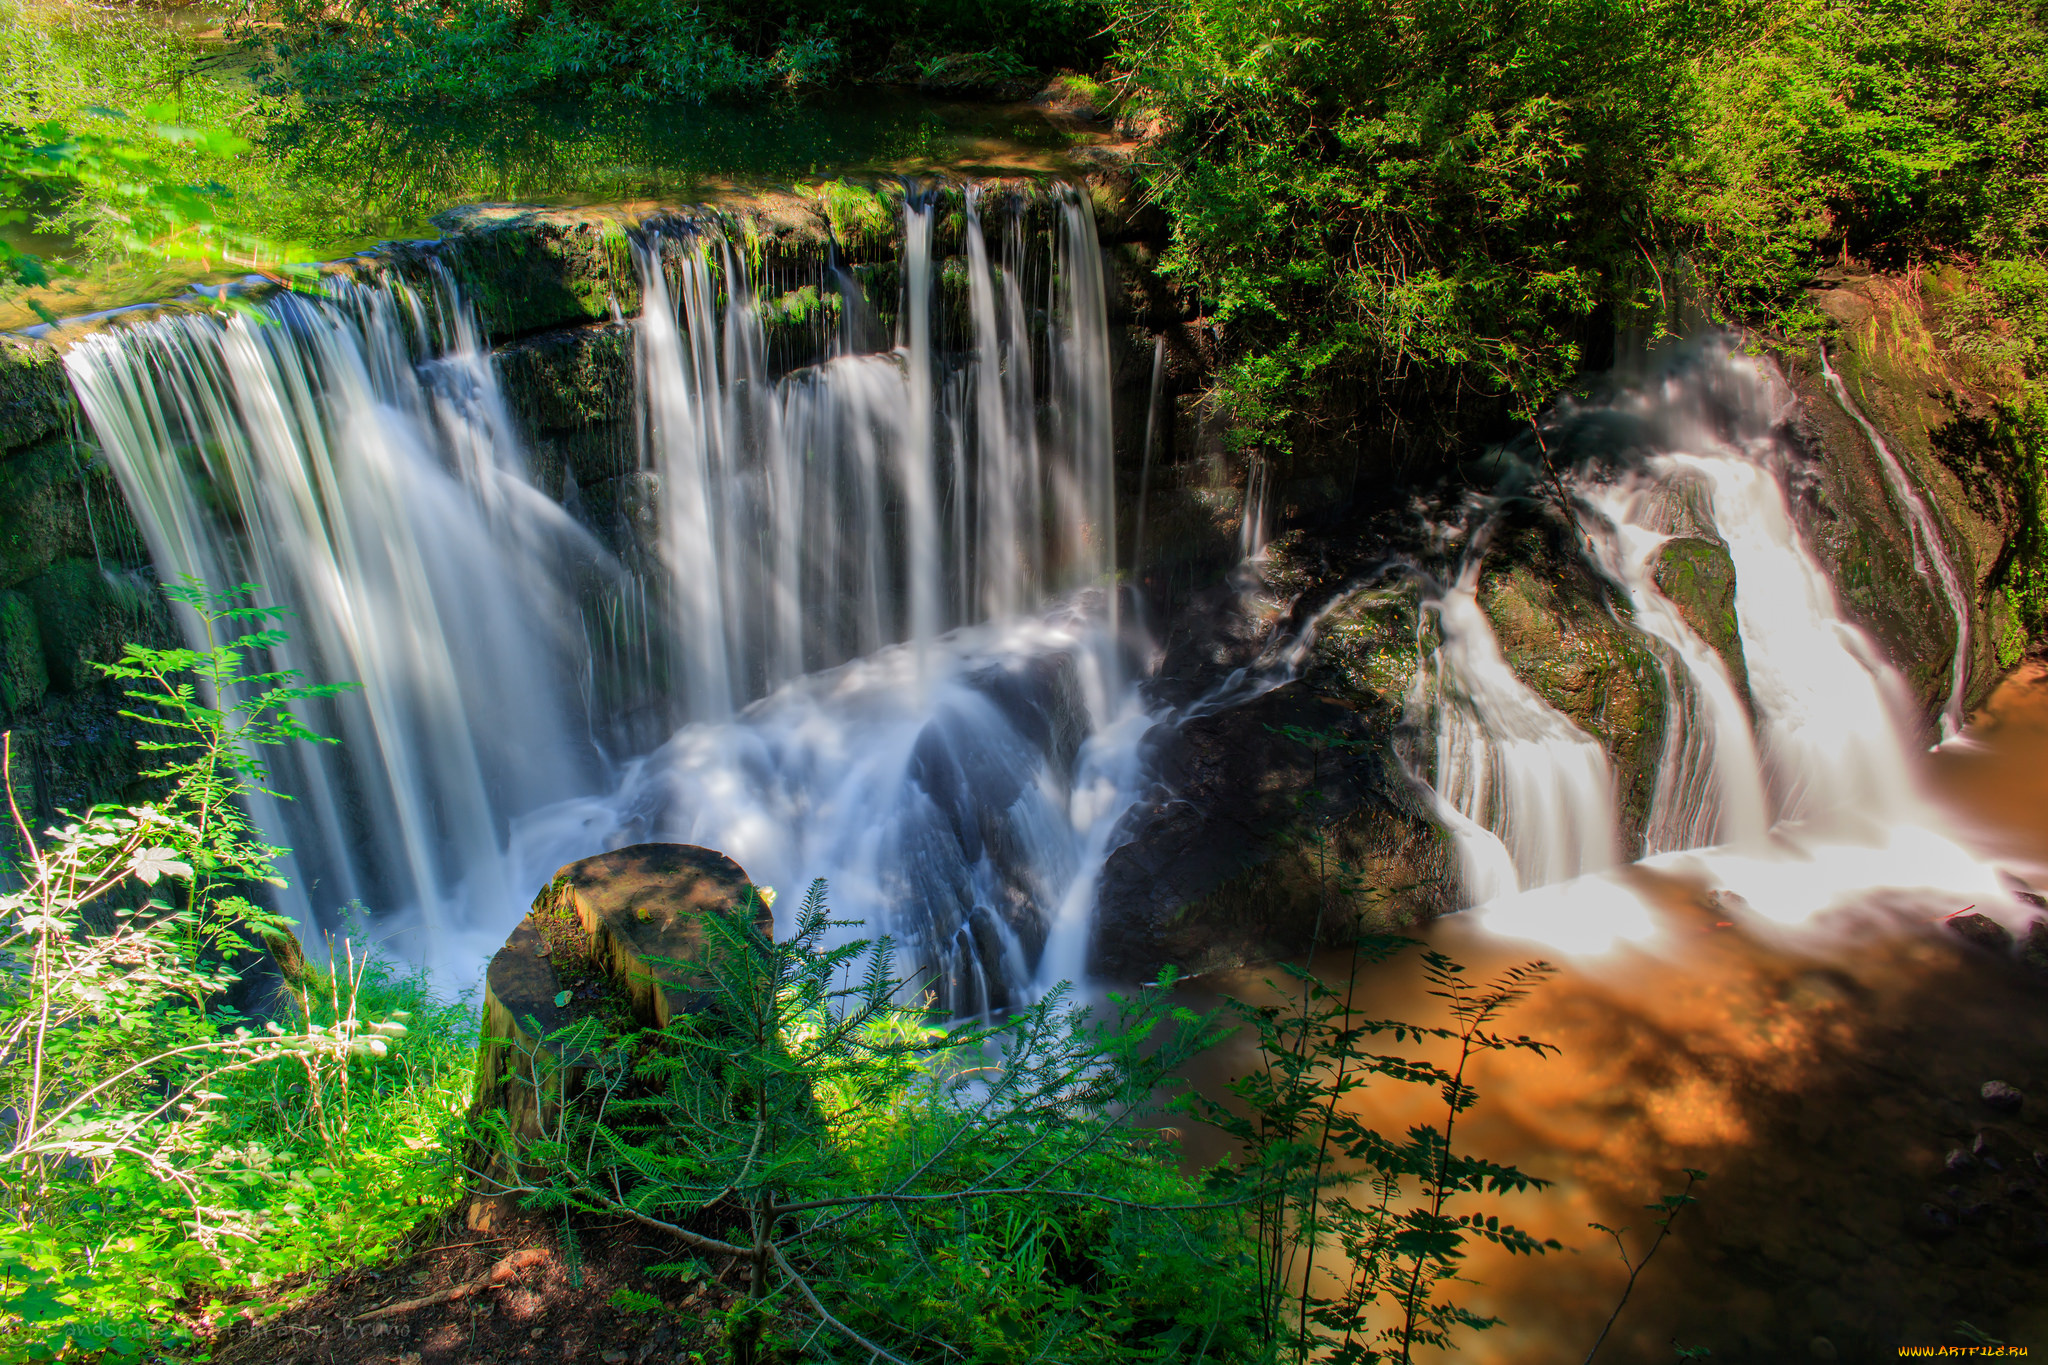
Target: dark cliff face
x,y
75,584
1272,822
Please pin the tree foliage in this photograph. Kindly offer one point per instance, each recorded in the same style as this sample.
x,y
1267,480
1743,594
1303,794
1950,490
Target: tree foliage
x,y
1363,189
1363,192
478,50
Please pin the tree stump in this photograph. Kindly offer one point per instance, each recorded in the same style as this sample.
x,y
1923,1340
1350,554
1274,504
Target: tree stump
x,y
586,949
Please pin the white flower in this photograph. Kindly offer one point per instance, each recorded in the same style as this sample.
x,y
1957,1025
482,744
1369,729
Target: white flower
x,y
151,863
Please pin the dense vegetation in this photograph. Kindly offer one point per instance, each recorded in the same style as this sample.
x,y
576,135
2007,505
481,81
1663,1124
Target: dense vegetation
x,y
161,1142
1373,190
477,50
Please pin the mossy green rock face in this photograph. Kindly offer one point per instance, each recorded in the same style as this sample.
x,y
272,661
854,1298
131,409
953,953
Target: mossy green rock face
x,y
1559,631
1366,651
84,615
43,514
576,377
35,399
1699,578
525,270
23,677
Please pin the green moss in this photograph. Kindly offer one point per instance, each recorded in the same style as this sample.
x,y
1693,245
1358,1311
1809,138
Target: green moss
x,y
84,615
1562,638
1367,651
1699,578
2008,631
35,398
23,677
861,218
570,379
527,270
42,508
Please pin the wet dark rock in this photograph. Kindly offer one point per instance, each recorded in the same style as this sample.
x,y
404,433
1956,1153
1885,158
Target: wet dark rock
x,y
1932,1220
2034,948
1220,864
1981,931
1958,1162
35,398
1974,1214
2004,1098
2022,891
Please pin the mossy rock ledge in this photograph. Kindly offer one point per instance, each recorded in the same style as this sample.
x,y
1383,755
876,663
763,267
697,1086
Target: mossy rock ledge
x,y
588,948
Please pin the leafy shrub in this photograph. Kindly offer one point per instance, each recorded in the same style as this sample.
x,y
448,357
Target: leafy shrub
x,y
160,1143
907,1192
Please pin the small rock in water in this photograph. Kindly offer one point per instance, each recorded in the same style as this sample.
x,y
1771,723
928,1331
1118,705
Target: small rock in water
x,y
1958,1161
2021,891
1820,1348
1981,931
1975,1214
2006,1099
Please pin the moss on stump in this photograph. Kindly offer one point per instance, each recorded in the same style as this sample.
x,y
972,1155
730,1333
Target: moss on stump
x,y
600,941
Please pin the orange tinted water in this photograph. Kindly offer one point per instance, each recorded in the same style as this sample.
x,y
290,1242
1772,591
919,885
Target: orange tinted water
x,y
1821,1080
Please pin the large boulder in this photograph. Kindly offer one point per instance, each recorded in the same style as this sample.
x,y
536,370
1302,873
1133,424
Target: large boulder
x,y
1698,575
1570,638
1277,826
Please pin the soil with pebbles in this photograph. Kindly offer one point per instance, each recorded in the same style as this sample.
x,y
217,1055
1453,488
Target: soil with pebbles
x,y
558,1308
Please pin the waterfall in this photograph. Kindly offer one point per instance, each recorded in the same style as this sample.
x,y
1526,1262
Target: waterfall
x,y
1709,785
378,487
1527,795
866,612
1801,799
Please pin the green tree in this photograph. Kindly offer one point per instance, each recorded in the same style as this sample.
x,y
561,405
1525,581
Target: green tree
x,y
1367,193
157,1139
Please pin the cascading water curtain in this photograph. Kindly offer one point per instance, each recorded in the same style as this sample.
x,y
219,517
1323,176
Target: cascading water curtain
x,y
880,497
903,513
378,487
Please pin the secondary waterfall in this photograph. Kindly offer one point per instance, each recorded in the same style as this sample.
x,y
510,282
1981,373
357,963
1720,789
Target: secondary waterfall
x,y
1930,551
1526,793
865,595
1789,801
